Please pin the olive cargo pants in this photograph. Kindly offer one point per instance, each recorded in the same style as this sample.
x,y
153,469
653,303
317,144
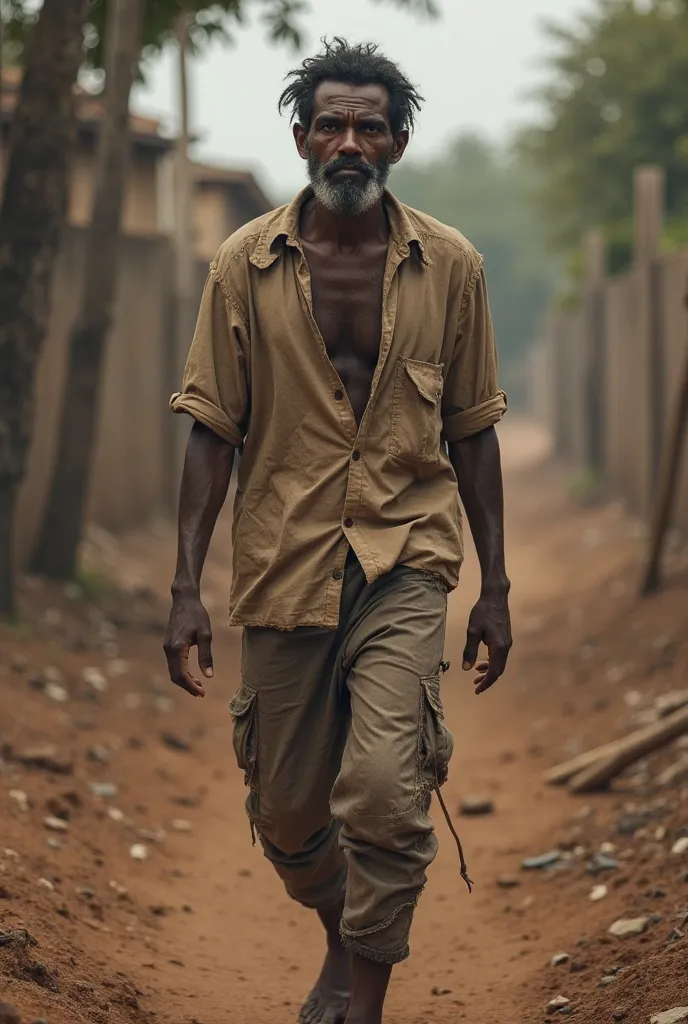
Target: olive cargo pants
x,y
341,737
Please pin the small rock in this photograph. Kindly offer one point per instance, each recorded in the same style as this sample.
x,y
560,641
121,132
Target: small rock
x,y
608,979
627,927
119,889
508,882
680,846
117,667
45,883
94,678
175,742
99,754
45,757
181,825
437,991
620,1014
9,1014
559,959
21,799
138,852
600,862
115,814
545,860
629,823
660,833
476,806
56,692
676,772
675,1016
72,591
598,893
107,790
55,824
556,1004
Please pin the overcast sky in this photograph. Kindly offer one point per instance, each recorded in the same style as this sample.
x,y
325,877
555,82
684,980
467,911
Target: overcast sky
x,y
474,66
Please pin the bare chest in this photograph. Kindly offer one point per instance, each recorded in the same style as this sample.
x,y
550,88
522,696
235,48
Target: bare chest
x,y
347,307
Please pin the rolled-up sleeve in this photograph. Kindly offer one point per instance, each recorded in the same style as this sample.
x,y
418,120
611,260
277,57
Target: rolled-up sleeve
x,y
215,386
472,398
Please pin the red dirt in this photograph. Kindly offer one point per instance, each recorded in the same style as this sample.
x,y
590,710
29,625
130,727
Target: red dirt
x,y
201,932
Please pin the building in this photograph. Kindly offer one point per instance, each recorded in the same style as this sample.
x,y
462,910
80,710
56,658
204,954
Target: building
x,y
223,200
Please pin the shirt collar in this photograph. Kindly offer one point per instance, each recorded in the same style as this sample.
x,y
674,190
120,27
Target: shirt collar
x,y
286,226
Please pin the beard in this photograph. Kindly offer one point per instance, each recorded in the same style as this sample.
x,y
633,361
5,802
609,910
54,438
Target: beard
x,y
350,196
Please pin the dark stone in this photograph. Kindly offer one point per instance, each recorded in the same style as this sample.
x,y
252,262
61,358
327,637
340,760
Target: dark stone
x,y
175,742
545,860
600,862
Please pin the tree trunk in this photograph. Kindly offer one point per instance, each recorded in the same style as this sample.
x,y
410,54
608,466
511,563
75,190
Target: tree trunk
x,y
57,548
32,214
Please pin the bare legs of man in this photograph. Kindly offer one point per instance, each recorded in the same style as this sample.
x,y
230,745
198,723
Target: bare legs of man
x,y
350,989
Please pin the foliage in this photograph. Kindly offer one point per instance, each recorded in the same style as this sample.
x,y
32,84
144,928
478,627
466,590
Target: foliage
x,y
283,21
614,97
486,194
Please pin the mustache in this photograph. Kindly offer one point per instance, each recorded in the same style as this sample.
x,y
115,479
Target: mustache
x,y
345,163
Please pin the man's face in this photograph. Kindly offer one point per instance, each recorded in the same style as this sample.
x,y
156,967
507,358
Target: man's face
x,y
350,147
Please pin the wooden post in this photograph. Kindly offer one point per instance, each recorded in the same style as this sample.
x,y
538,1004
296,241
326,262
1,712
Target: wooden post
x,y
595,361
667,484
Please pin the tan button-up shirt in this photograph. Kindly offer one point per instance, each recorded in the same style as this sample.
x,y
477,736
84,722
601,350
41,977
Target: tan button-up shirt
x,y
311,482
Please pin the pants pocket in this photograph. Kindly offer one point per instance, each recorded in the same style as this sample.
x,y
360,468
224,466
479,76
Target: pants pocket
x,y
243,709
436,744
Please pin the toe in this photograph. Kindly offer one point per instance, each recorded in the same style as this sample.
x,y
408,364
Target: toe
x,y
311,1012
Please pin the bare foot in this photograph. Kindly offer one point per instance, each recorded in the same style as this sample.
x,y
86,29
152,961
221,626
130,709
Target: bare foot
x,y
328,1003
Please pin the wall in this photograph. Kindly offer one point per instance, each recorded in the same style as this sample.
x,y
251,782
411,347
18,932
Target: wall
x,y
643,338
140,198
137,436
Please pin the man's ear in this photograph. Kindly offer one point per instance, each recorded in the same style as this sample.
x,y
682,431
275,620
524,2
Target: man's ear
x,y
401,141
301,140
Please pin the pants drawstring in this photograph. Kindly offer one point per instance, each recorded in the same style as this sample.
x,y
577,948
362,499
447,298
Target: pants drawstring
x,y
444,667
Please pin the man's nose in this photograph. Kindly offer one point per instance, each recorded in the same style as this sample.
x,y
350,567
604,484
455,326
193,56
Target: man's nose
x,y
349,144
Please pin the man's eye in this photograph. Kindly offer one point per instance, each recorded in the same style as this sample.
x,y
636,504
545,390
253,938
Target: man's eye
x,y
371,128
329,127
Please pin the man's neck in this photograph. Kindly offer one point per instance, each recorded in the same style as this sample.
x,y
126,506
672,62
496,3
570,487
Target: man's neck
x,y
318,224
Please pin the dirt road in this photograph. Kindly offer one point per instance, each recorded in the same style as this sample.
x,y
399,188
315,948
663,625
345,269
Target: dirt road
x,y
203,932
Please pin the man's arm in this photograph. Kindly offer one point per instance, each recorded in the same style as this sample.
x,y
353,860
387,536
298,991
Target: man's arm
x,y
477,465
205,481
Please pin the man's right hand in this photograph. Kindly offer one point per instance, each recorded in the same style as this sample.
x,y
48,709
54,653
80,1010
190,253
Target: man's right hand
x,y
189,626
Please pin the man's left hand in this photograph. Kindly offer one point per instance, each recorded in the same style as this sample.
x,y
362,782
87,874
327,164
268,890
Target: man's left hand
x,y
490,624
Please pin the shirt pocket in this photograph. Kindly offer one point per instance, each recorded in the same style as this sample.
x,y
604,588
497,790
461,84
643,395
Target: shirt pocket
x,y
416,418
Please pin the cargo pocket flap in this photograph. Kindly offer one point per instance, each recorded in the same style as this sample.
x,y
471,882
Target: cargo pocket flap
x,y
242,701
428,379
431,686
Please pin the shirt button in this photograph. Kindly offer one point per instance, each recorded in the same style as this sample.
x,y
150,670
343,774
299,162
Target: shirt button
x,y
337,574
356,455
338,395
348,522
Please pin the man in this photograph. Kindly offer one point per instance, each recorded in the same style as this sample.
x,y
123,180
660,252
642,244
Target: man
x,y
344,345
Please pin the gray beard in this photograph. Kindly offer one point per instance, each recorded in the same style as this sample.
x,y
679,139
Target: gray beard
x,y
348,198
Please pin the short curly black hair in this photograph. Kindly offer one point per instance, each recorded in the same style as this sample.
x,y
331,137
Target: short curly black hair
x,y
359,64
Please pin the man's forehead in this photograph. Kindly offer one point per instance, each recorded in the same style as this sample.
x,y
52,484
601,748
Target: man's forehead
x,y
368,98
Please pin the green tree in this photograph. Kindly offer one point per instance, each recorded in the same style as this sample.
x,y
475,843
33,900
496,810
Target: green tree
x,y
614,97
487,194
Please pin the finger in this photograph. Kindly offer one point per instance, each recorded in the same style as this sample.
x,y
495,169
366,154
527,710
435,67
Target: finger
x,y
470,654
497,664
178,661
205,655
482,666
